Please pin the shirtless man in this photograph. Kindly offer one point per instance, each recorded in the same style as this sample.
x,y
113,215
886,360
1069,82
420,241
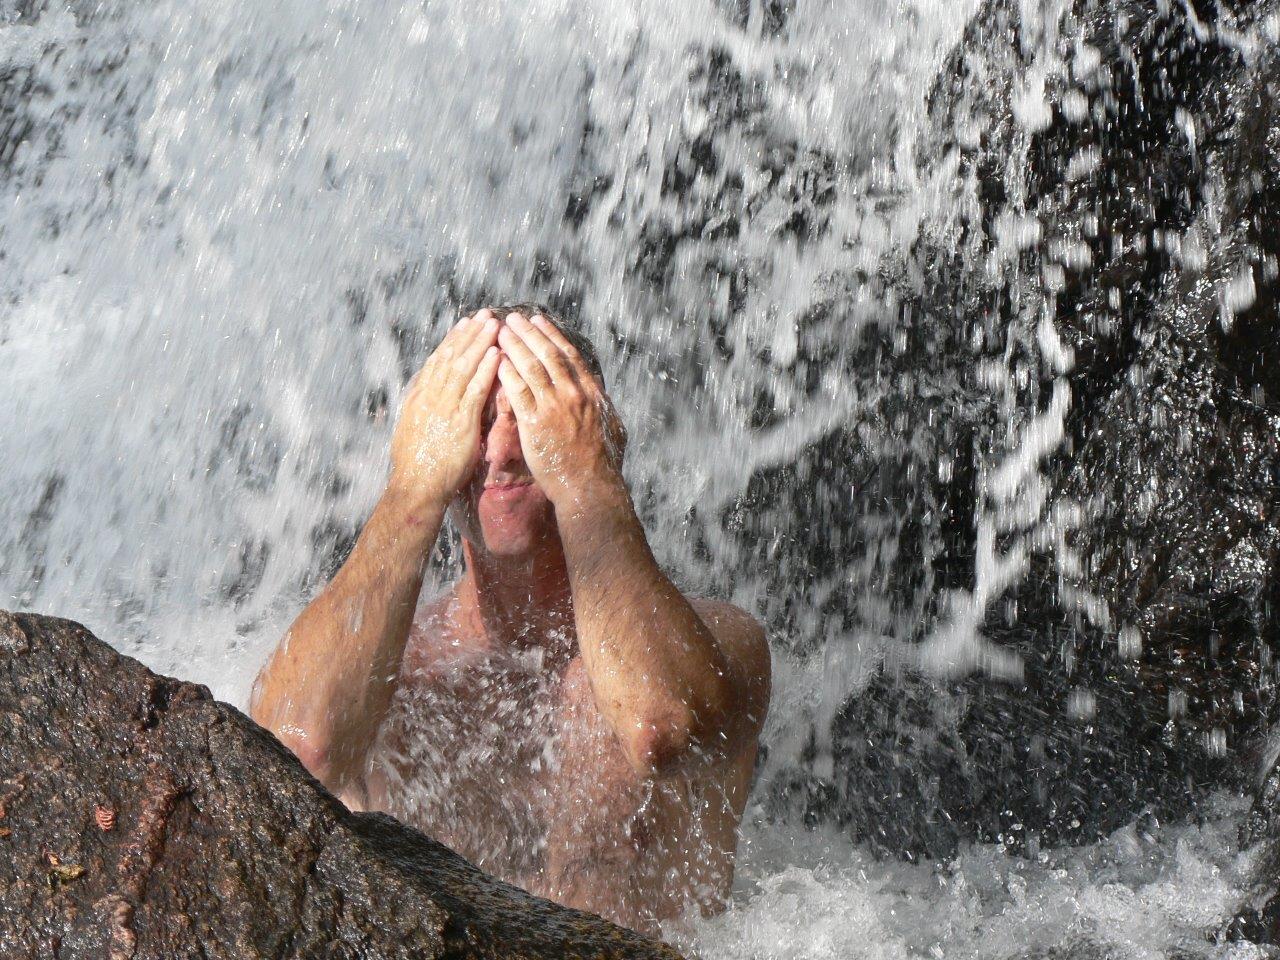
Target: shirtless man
x,y
563,716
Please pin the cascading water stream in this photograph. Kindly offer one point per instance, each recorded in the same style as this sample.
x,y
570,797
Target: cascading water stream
x,y
230,233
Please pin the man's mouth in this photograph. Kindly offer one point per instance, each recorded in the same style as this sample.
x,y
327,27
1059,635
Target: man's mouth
x,y
507,492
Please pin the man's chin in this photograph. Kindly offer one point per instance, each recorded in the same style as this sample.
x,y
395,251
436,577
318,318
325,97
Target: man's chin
x,y
508,534
510,522
502,541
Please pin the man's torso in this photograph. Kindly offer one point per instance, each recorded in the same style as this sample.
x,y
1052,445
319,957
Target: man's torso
x,y
505,757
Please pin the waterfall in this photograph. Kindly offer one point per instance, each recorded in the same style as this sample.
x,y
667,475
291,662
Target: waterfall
x,y
853,274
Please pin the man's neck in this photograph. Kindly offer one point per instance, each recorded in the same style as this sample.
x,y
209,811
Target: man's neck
x,y
521,601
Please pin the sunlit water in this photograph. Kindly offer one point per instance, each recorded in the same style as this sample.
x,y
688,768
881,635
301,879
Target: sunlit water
x,y
1148,891
231,231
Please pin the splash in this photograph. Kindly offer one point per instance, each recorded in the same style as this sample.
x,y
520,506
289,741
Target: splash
x,y
1147,891
231,234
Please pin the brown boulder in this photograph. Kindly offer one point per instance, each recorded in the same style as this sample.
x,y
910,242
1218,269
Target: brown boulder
x,y
141,818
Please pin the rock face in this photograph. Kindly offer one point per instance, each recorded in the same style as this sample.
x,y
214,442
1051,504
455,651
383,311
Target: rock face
x,y
1258,919
1116,181
143,819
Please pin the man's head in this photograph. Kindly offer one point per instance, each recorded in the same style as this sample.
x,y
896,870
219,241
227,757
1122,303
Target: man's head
x,y
502,511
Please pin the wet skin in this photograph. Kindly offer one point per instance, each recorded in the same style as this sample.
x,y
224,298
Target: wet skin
x,y
562,716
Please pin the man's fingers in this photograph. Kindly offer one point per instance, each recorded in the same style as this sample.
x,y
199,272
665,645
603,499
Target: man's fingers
x,y
532,372
553,333
517,390
455,336
460,333
477,391
461,339
552,357
467,357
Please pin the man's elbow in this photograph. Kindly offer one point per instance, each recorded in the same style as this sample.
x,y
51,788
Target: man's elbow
x,y
316,757
657,748
313,753
268,709
672,742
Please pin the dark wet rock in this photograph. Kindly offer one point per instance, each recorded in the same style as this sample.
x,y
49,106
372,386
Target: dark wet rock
x,y
1138,215
1258,918
140,818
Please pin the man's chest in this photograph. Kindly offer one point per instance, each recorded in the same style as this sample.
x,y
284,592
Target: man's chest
x,y
498,757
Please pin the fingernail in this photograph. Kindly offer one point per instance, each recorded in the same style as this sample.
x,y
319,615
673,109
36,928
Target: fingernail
x,y
518,318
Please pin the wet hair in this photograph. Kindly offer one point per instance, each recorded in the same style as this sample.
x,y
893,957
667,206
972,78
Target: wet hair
x,y
570,327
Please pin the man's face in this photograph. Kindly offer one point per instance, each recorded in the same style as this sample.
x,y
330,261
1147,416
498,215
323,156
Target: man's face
x,y
501,510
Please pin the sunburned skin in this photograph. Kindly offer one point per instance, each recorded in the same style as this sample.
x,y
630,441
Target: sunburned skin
x,y
563,716
521,775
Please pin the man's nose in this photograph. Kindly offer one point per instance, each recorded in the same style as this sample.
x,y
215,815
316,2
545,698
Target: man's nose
x,y
502,446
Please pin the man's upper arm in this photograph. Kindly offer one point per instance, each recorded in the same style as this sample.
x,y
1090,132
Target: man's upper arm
x,y
742,642
354,797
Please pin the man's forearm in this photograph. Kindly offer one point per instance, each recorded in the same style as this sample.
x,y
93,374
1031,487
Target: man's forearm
x,y
656,671
326,689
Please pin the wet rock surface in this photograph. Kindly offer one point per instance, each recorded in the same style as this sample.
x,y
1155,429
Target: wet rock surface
x,y
1258,919
140,818
1115,168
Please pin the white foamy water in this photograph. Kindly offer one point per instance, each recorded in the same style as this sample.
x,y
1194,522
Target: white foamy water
x,y
232,230
1147,891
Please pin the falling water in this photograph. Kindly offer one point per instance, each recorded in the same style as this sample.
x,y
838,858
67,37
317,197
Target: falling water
x,y
231,232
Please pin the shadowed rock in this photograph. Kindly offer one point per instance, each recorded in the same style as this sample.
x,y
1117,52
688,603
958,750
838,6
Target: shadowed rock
x,y
1258,918
141,818
1135,217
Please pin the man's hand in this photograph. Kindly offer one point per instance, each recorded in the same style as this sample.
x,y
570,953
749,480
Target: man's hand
x,y
437,438
569,434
